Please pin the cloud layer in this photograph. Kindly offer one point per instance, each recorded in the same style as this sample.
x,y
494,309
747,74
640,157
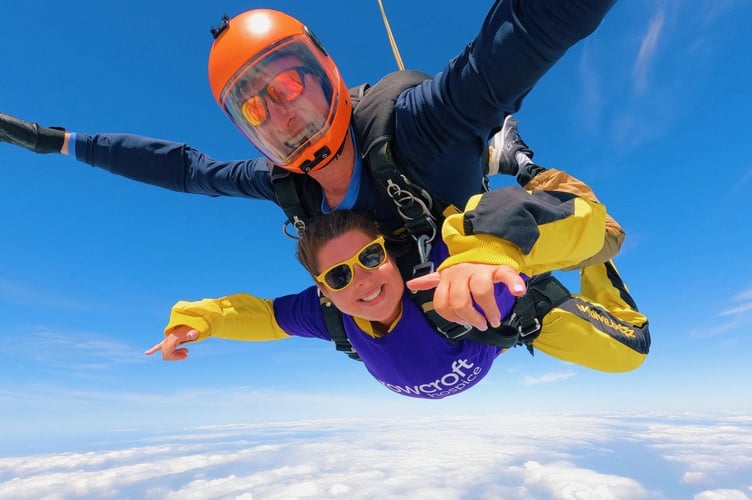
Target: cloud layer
x,y
500,456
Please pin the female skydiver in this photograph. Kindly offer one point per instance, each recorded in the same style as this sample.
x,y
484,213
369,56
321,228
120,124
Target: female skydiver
x,y
480,258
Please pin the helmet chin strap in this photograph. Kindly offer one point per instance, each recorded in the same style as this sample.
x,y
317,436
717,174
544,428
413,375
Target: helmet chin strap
x,y
323,155
318,157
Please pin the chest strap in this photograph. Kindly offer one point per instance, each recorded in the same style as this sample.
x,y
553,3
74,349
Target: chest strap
x,y
522,326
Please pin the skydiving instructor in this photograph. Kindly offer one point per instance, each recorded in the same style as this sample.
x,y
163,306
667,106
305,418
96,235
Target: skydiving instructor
x,y
282,90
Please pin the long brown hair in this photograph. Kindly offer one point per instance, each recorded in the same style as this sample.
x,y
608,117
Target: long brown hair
x,y
320,229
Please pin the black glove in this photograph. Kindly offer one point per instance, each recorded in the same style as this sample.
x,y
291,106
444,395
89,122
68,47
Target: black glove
x,y
30,135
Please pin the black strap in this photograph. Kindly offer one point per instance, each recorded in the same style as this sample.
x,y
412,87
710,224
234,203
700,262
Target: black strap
x,y
288,200
336,327
523,325
544,292
417,208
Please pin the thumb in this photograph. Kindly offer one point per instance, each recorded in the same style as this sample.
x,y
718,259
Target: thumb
x,y
184,333
426,282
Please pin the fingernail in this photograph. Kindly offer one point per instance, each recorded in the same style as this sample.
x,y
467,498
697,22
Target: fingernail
x,y
518,288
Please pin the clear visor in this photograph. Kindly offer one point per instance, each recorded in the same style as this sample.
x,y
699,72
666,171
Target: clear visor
x,y
282,100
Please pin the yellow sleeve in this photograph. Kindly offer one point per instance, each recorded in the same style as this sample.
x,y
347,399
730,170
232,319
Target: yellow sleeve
x,y
235,317
531,232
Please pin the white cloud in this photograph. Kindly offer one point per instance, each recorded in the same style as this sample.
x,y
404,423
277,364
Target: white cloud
x,y
743,302
563,480
547,378
695,478
74,352
107,480
735,315
721,495
647,51
709,451
494,456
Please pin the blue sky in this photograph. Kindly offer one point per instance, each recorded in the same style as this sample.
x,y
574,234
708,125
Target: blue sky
x,y
652,110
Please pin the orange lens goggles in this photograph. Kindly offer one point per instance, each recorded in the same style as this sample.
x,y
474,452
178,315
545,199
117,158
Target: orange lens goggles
x,y
283,88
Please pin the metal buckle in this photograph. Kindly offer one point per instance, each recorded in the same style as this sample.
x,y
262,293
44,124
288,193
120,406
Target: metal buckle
x,y
422,269
455,336
296,223
535,329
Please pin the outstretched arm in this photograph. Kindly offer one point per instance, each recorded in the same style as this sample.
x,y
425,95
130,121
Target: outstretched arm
x,y
503,233
235,317
444,123
242,317
167,164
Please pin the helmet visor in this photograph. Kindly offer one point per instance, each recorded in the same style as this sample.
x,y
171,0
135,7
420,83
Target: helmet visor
x,y
283,100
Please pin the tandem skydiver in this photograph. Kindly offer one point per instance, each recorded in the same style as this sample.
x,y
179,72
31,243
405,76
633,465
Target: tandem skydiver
x,y
399,343
283,91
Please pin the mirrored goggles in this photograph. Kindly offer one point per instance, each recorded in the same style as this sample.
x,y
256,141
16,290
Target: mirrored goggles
x,y
285,87
340,276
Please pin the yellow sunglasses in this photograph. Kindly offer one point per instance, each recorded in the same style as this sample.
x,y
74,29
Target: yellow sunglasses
x,y
340,275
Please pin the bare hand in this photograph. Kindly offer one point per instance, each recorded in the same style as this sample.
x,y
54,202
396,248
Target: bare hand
x,y
457,286
169,346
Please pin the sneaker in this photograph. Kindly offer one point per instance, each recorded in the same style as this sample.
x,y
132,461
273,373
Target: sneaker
x,y
504,146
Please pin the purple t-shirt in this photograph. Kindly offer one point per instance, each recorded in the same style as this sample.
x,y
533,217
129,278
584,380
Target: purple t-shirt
x,y
413,359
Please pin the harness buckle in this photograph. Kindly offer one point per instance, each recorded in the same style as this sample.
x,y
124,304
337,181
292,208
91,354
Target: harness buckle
x,y
425,266
456,331
422,269
296,223
522,330
414,210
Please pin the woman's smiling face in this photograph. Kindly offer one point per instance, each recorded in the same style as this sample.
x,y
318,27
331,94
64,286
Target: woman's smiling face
x,y
374,294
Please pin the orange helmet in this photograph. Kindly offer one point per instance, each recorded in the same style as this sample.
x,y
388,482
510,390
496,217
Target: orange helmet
x,y
278,85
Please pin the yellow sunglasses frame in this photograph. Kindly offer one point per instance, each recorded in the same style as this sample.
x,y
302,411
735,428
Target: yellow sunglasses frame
x,y
320,278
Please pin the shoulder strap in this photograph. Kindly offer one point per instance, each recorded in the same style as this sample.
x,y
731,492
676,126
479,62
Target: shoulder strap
x,y
336,327
373,107
372,121
289,201
298,196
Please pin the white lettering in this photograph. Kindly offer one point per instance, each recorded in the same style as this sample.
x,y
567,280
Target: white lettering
x,y
450,383
445,380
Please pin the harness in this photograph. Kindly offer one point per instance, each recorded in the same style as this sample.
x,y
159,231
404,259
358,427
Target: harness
x,y
521,327
373,123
